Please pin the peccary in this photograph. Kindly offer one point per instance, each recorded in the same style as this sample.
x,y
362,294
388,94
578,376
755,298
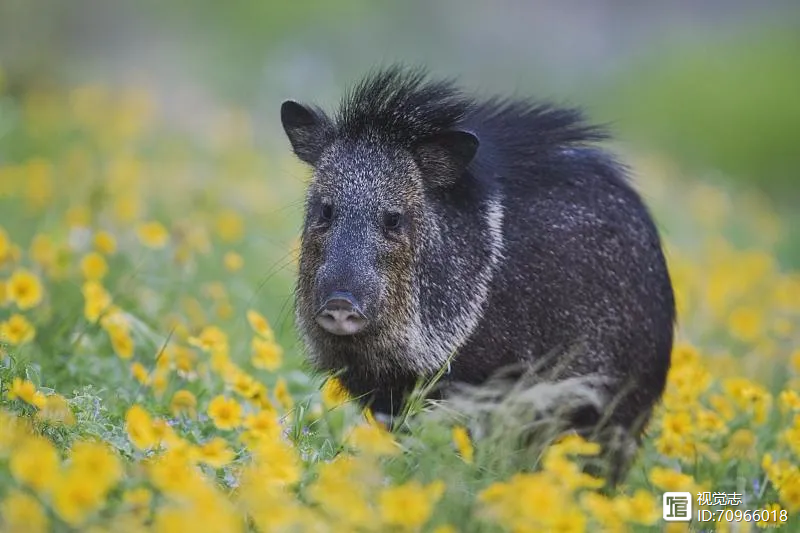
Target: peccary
x,y
494,230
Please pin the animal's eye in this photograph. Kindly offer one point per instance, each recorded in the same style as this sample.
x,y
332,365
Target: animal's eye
x,y
325,212
392,220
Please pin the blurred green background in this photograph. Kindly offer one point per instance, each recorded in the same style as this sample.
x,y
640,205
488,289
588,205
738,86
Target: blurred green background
x,y
715,86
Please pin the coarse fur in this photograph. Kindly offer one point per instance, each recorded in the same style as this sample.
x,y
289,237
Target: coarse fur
x,y
519,237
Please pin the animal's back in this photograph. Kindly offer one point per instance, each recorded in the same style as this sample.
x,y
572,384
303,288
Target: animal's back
x,y
583,267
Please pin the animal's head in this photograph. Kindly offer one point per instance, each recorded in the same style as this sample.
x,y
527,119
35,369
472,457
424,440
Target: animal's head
x,y
393,147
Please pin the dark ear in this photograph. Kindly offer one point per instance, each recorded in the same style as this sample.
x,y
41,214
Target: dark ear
x,y
308,130
443,157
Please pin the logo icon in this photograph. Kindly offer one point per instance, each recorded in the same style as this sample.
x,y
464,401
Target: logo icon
x,y
677,506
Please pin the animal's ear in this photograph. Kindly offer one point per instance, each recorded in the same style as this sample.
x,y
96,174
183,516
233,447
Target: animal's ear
x,y
443,157
308,130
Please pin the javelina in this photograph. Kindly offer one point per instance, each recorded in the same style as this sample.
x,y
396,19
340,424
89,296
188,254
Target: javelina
x,y
497,230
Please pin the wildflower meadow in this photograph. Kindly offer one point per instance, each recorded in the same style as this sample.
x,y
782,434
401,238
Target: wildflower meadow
x,y
151,379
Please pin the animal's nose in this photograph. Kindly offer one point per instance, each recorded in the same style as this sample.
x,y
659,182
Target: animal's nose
x,y
341,315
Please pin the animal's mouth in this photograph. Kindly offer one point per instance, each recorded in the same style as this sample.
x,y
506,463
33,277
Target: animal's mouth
x,y
340,315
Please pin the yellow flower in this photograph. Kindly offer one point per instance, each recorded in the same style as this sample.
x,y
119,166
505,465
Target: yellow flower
x,y
159,381
791,435
226,413
684,354
463,443
642,508
215,453
350,509
5,245
13,432
140,373
277,462
174,472
264,424
722,406
409,505
139,425
183,402
243,384
673,445
56,410
185,361
211,339
568,521
333,393
794,361
233,262
575,445
17,330
741,444
260,324
789,401
96,300
671,480
603,510
261,399
778,471
772,514
152,235
22,513
121,341
749,397
174,518
372,440
94,266
229,226
222,364
266,354
35,464
679,423
26,391
283,395
165,436
709,422
76,496
105,243
97,462
24,289
789,492
566,472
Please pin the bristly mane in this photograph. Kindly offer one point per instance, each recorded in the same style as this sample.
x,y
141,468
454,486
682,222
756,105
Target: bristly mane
x,y
401,105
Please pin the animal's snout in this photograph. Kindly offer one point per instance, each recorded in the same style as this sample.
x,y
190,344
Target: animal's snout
x,y
341,314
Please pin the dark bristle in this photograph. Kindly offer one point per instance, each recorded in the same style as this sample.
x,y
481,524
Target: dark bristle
x,y
400,105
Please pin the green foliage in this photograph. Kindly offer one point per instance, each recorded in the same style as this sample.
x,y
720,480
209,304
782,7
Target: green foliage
x,y
721,105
